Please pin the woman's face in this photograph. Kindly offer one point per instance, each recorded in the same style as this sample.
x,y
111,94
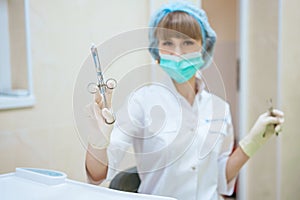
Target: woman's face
x,y
178,46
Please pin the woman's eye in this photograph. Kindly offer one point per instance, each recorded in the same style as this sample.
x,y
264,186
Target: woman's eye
x,y
167,43
188,42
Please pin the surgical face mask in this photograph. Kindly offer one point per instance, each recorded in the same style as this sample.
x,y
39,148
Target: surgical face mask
x,y
181,68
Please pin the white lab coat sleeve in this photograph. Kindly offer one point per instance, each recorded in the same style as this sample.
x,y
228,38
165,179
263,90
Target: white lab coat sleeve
x,y
129,122
116,151
227,147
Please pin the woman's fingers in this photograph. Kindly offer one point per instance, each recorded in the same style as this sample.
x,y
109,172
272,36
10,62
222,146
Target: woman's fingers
x,y
111,83
98,99
109,89
108,115
277,117
278,128
108,94
272,120
277,113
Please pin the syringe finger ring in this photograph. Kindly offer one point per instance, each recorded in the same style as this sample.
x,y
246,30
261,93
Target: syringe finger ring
x,y
111,83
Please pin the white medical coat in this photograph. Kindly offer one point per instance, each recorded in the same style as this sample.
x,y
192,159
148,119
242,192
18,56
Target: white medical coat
x,y
180,149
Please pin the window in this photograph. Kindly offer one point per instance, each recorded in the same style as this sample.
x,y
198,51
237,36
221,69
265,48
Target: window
x,y
16,88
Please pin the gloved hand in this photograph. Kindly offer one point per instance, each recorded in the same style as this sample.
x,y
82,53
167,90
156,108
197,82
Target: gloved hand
x,y
265,126
100,119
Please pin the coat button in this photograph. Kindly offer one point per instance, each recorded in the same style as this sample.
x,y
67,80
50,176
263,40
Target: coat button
x,y
193,168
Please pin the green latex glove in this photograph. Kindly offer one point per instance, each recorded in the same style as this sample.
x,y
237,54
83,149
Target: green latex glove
x,y
265,126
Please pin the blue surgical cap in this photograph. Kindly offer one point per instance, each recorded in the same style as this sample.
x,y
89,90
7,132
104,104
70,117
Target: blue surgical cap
x,y
208,34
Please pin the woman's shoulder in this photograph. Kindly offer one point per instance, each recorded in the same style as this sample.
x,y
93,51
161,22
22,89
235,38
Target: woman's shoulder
x,y
213,97
215,103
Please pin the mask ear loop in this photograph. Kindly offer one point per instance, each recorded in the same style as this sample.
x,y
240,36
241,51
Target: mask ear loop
x,y
203,34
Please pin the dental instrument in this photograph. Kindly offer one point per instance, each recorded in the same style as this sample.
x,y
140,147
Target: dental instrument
x,y
101,84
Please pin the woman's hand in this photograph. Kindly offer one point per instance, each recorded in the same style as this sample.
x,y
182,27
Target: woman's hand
x,y
101,118
266,125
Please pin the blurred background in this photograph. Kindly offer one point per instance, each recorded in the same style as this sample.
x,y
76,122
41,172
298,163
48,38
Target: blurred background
x,y
43,45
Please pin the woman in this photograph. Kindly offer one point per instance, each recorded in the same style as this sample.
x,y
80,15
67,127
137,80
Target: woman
x,y
183,149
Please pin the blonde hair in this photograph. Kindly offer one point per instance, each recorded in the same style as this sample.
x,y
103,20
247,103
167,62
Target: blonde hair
x,y
178,24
